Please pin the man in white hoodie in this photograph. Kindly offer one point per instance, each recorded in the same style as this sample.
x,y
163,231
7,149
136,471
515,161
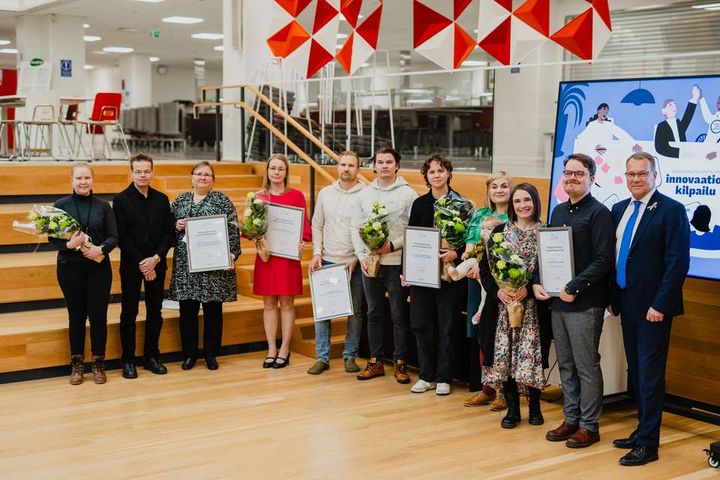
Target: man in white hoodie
x,y
332,243
393,192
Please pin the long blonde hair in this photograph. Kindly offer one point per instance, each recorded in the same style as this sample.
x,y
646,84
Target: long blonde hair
x,y
495,176
266,180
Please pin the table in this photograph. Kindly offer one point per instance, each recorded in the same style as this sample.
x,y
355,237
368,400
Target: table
x,y
7,102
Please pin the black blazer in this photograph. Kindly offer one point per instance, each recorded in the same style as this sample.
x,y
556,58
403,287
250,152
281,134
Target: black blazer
x,y
664,134
146,227
489,314
658,260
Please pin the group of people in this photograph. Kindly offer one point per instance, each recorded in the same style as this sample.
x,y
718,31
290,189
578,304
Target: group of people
x,y
631,261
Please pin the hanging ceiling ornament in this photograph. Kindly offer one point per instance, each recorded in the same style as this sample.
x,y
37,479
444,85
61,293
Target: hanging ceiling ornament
x,y
586,35
363,17
305,33
510,36
439,34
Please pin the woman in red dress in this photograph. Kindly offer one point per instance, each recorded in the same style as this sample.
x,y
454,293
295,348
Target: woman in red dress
x,y
279,280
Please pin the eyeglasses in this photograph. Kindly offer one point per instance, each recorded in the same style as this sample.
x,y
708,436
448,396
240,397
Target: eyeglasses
x,y
576,174
203,175
634,175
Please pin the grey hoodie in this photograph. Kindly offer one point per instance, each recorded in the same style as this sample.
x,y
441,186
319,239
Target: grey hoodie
x,y
398,198
331,223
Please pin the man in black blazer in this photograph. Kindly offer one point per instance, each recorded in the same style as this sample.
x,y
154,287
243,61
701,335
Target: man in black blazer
x,y
652,260
672,129
147,232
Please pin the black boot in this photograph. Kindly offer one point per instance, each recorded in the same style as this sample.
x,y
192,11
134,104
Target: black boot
x,y
513,402
536,416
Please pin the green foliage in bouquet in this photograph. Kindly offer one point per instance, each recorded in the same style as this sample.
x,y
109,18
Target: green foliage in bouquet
x,y
452,214
53,222
254,223
506,266
374,230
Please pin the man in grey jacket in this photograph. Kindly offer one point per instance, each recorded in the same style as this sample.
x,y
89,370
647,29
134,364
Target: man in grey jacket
x,y
332,244
393,192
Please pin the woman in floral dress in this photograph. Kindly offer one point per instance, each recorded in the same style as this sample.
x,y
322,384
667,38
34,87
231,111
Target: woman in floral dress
x,y
517,355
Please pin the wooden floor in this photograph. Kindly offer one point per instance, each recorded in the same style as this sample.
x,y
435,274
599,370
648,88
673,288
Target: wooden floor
x,y
246,422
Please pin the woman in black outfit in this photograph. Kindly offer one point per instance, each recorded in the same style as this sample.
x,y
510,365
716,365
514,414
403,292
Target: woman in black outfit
x,y
435,312
83,271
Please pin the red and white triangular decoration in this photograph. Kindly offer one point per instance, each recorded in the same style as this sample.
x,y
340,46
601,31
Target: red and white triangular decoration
x,y
362,40
438,35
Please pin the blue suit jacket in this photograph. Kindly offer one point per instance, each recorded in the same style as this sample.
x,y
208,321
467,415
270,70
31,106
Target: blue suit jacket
x,y
658,260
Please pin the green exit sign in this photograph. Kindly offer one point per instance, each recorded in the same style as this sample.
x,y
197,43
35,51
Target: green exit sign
x,y
154,33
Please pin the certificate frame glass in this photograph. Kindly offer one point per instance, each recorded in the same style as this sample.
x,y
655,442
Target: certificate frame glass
x,y
281,246
340,303
557,265
427,274
220,260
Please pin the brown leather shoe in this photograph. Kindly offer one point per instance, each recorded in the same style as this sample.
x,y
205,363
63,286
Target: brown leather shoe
x,y
478,399
499,404
98,370
77,368
400,373
563,432
374,368
582,438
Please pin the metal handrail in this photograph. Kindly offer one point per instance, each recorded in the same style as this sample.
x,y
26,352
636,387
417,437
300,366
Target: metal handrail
x,y
279,111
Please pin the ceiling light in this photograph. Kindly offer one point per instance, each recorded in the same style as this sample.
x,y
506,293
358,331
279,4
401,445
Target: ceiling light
x,y
339,46
8,50
88,67
207,36
86,25
707,5
199,62
474,63
118,49
341,35
4,42
365,65
219,48
92,38
183,20
154,59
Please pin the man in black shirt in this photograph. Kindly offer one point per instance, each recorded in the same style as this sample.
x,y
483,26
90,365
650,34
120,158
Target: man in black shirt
x,y
146,229
578,314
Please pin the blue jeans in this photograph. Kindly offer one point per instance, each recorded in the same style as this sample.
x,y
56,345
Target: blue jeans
x,y
323,329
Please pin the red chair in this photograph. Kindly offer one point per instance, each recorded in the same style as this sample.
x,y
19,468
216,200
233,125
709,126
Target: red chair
x,y
105,115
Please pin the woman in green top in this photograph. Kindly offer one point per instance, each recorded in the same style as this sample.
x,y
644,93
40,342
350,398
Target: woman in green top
x,y
497,197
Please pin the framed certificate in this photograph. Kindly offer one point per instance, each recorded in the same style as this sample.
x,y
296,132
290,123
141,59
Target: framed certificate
x,y
330,292
421,260
555,257
208,243
284,232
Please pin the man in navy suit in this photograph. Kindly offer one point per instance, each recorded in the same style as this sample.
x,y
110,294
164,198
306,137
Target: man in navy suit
x,y
652,251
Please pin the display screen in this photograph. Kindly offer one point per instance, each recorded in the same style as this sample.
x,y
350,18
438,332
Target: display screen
x,y
675,119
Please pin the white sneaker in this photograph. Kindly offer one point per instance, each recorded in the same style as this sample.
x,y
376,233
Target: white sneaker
x,y
421,386
442,389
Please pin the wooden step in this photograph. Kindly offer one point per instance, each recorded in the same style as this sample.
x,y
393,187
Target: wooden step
x,y
39,339
305,345
26,277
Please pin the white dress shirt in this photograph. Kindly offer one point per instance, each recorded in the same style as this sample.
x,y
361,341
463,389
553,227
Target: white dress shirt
x,y
626,218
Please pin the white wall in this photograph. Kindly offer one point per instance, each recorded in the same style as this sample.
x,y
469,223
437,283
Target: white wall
x,y
179,83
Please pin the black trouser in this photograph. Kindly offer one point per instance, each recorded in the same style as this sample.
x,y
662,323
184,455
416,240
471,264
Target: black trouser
x,y
131,283
212,327
388,280
86,288
433,314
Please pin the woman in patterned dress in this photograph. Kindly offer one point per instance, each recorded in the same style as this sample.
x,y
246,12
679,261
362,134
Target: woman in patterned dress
x,y
211,288
279,280
519,354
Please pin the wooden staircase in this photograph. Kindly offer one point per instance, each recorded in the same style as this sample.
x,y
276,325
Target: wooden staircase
x,y
33,319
